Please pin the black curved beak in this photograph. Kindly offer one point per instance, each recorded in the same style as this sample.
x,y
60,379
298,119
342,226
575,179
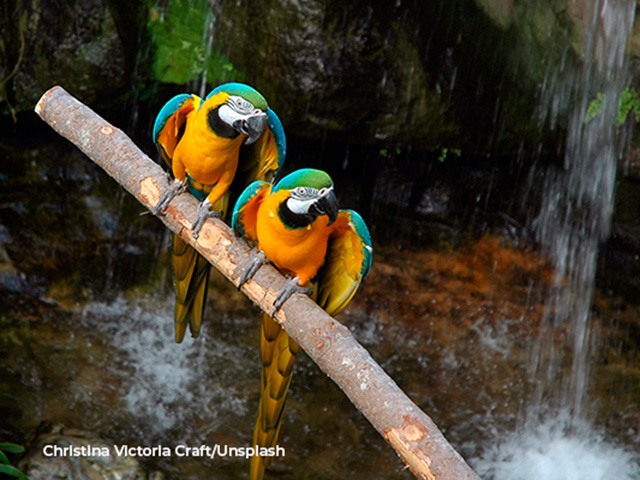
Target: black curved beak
x,y
327,204
252,126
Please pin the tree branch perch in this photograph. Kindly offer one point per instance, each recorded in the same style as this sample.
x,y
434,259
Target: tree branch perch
x,y
332,347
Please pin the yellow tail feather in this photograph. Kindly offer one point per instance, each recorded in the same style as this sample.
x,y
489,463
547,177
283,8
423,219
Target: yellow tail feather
x,y
191,276
278,352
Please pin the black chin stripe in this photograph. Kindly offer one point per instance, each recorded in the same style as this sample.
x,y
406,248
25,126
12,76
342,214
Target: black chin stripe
x,y
218,126
294,220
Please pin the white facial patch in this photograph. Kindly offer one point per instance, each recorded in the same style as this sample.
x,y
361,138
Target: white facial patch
x,y
228,115
302,198
300,206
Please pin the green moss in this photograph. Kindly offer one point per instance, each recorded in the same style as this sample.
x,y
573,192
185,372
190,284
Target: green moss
x,y
446,152
629,102
179,33
595,108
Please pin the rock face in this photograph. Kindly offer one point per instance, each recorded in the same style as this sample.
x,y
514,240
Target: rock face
x,y
465,74
85,45
64,219
347,68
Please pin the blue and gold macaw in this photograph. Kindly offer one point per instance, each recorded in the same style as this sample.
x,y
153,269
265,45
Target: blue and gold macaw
x,y
323,250
215,147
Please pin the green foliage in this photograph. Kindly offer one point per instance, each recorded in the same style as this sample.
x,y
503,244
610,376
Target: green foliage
x,y
384,152
595,108
180,34
446,152
10,448
629,102
5,465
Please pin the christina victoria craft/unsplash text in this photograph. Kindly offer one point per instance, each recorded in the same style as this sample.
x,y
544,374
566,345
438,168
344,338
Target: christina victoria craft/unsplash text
x,y
210,451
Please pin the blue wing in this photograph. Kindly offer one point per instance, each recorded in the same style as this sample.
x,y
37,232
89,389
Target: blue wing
x,y
263,159
169,125
275,125
245,210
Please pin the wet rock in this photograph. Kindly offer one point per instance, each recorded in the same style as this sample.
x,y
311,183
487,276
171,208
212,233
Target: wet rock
x,y
39,464
460,74
62,220
619,260
83,45
350,70
500,11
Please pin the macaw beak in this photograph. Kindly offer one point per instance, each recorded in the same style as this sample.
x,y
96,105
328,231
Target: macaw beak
x,y
252,126
327,204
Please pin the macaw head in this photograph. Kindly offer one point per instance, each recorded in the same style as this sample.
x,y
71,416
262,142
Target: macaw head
x,y
243,112
310,195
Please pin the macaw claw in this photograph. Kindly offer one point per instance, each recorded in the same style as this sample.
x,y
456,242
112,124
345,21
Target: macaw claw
x,y
175,188
291,286
204,212
256,260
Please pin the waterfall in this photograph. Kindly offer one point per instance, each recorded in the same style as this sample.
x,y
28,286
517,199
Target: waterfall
x,y
576,210
556,438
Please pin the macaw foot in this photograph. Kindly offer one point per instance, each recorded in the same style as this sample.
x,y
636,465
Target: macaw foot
x,y
291,286
175,188
204,212
256,260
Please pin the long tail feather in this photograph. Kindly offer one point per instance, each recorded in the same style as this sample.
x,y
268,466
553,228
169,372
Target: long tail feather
x,y
191,277
278,352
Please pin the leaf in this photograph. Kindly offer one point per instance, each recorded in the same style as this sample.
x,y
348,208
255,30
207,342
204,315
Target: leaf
x,y
181,54
13,471
595,108
629,102
443,154
11,448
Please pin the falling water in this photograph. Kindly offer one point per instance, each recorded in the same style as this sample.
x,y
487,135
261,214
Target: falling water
x,y
555,434
577,208
207,42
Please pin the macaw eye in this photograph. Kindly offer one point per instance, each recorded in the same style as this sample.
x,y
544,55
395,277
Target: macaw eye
x,y
299,191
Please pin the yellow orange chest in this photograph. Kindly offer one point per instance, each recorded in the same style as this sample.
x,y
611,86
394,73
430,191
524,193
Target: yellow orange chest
x,y
205,155
299,251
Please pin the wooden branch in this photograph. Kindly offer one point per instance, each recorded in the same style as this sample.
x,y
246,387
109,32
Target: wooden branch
x,y
410,431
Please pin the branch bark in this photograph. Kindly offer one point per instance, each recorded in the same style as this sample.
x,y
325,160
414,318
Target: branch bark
x,y
333,348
